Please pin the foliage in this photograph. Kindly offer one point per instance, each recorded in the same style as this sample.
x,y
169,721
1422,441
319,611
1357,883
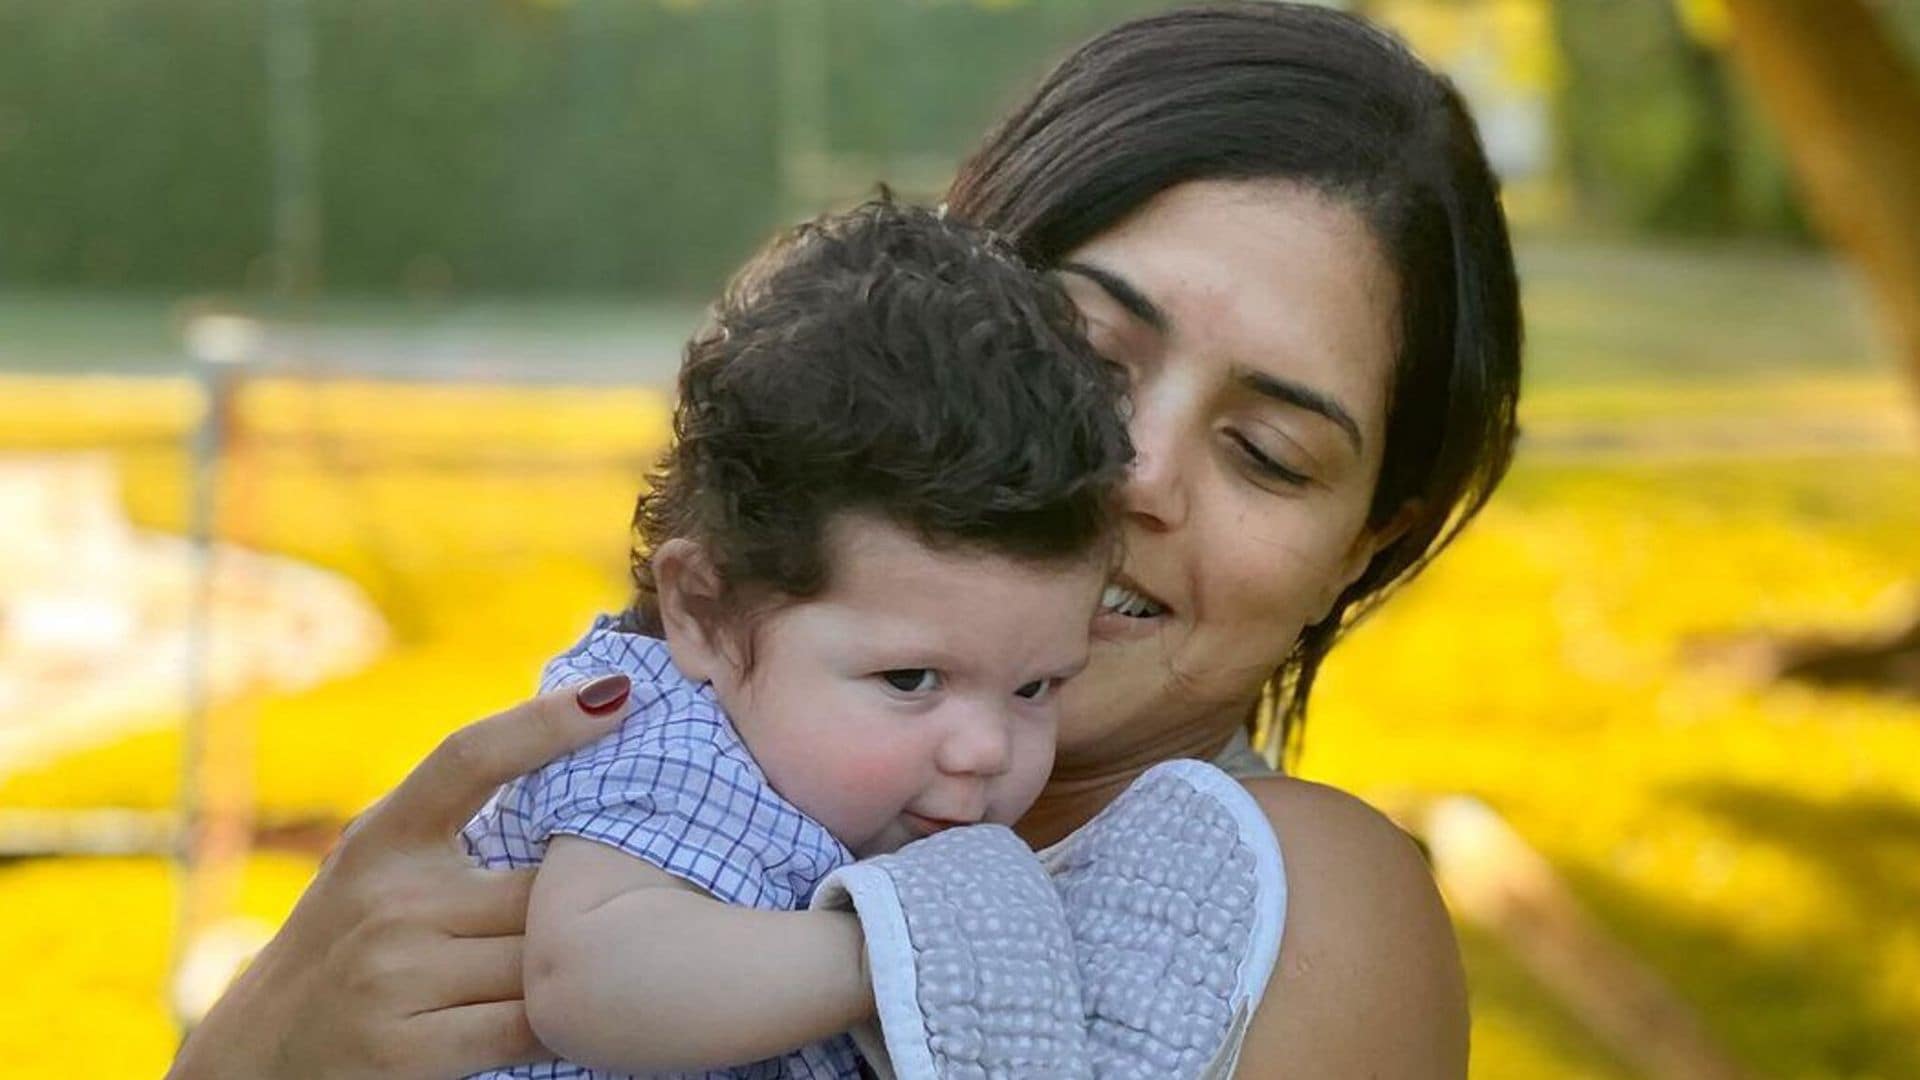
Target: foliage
x,y
1656,135
496,146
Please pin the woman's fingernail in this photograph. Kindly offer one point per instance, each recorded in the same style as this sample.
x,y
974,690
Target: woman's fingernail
x,y
604,694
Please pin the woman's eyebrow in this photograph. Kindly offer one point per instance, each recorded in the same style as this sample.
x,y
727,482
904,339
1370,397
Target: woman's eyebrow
x,y
1282,390
1123,293
1301,396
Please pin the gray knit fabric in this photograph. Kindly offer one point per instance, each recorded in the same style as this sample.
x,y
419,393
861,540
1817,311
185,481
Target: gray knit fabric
x,y
1143,955
1240,760
984,985
1160,892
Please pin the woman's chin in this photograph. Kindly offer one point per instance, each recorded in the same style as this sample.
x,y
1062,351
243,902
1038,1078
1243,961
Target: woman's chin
x,y
1145,693
1123,693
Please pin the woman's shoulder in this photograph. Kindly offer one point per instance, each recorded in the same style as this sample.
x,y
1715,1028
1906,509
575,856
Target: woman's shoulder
x,y
1369,981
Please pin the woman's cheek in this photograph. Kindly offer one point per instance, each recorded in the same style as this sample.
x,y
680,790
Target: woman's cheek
x,y
1302,552
1253,607
1255,578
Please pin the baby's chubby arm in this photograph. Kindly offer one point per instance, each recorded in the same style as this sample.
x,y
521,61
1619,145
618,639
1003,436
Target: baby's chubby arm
x,y
631,969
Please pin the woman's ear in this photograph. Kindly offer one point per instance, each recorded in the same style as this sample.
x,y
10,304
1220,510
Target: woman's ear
x,y
688,589
1371,541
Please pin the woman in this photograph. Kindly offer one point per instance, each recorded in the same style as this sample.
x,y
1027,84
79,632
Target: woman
x,y
1283,226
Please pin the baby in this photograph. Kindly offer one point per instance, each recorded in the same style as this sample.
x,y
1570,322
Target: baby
x,y
862,573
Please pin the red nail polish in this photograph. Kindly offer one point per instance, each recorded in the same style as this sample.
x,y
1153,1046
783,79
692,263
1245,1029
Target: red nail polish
x,y
604,694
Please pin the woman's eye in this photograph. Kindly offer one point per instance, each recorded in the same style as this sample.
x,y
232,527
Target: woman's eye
x,y
912,680
1265,463
1035,690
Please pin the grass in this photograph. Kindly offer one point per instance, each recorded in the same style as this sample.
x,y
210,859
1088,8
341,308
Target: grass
x,y
1600,314
1758,846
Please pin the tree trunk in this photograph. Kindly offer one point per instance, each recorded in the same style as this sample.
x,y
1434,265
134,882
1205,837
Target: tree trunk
x,y
1493,880
1846,105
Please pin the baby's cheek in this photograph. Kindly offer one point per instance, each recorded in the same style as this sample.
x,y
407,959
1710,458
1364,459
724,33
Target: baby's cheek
x,y
875,770
1032,763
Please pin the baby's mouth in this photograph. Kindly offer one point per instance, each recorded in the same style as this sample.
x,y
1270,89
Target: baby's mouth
x,y
927,826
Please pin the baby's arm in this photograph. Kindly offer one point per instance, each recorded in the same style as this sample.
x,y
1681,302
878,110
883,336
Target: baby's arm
x,y
631,969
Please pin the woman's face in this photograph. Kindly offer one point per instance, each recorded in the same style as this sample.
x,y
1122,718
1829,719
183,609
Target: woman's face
x,y
1257,322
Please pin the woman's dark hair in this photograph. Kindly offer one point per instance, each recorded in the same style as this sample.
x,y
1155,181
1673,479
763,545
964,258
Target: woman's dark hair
x,y
884,361
1292,92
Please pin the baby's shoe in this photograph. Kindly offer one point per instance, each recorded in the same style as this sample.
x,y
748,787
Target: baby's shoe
x,y
970,957
1176,897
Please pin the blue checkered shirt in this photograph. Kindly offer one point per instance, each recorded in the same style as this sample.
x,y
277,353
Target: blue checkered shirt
x,y
675,786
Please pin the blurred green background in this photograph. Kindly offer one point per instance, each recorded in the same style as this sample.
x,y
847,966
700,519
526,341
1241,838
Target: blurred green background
x,y
1655,717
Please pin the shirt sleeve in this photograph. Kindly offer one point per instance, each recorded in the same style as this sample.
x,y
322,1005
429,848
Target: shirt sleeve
x,y
679,804
587,661
671,786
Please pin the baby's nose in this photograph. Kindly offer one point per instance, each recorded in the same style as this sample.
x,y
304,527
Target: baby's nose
x,y
978,744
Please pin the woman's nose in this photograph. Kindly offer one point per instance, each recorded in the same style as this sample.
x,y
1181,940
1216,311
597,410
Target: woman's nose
x,y
1155,493
979,743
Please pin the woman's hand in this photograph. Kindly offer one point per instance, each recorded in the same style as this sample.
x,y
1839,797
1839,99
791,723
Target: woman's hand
x,y
402,958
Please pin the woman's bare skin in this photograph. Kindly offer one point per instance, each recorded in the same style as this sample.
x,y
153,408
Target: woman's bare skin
x,y
402,958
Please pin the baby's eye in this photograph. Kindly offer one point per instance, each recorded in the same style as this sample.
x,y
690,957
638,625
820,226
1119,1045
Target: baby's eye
x,y
912,680
1037,689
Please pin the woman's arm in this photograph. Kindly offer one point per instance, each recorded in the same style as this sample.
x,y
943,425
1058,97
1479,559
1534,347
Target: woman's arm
x,y
402,958
1369,981
633,970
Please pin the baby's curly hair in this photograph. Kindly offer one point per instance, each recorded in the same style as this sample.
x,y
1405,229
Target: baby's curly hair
x,y
884,360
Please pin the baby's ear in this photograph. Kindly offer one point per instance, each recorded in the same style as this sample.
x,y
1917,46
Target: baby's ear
x,y
688,589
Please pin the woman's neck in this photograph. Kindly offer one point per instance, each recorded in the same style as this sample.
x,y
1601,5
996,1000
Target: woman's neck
x,y
1082,785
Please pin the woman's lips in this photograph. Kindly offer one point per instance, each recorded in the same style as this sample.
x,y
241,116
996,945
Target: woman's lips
x,y
1113,626
1128,612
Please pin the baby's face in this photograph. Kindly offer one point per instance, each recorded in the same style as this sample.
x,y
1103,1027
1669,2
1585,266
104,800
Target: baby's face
x,y
919,690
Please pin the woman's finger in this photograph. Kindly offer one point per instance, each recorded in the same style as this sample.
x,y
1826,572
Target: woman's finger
x,y
474,1037
483,903
447,788
474,971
